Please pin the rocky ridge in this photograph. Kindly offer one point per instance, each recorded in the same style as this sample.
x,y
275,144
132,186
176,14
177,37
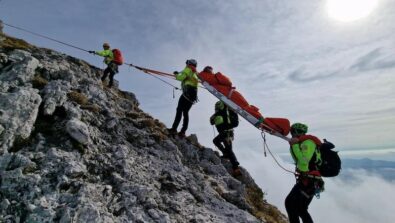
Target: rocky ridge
x,y
72,150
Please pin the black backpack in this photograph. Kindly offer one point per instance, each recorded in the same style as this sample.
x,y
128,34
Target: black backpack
x,y
234,119
331,163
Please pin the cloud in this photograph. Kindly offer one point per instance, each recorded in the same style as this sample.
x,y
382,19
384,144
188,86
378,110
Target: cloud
x,y
374,60
367,198
284,56
303,77
329,67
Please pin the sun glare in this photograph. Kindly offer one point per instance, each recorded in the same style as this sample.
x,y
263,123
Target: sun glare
x,y
350,10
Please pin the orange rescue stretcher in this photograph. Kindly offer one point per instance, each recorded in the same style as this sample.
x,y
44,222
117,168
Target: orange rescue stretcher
x,y
221,87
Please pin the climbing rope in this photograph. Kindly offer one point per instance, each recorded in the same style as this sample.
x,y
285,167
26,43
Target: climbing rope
x,y
266,147
167,75
156,72
152,72
45,37
146,70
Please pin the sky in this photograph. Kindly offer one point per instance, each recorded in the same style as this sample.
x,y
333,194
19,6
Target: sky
x,y
304,60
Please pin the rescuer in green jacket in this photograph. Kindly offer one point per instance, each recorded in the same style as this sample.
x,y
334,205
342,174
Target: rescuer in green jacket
x,y
224,119
112,68
309,182
189,83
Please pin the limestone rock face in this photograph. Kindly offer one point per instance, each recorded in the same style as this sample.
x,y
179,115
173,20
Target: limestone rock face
x,y
73,151
78,131
18,113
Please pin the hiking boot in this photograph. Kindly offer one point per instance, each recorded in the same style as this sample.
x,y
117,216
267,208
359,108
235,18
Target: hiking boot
x,y
181,135
172,131
224,157
236,172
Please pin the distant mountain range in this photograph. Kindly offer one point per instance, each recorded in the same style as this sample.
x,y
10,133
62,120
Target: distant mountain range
x,y
367,163
385,169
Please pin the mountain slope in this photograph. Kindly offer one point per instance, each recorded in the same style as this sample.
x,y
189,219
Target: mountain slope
x,y
75,151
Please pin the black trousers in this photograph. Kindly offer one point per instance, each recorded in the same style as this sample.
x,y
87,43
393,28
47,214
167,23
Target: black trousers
x,y
298,201
184,105
111,69
223,141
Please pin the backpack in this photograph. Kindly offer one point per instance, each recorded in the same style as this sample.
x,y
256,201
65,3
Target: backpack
x,y
118,59
234,119
331,163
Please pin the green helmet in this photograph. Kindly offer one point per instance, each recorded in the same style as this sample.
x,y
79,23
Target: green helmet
x,y
219,106
299,128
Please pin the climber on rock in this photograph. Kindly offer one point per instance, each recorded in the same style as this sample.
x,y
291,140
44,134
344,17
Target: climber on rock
x,y
113,58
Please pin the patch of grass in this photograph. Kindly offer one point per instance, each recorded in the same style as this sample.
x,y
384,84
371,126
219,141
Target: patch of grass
x,y
78,97
10,43
255,196
158,137
159,124
132,115
150,123
261,209
91,107
39,82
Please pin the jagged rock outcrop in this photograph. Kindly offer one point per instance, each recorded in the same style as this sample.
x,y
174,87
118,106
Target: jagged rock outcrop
x,y
75,151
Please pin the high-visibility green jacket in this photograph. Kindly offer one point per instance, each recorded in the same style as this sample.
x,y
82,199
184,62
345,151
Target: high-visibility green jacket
x,y
107,54
221,120
302,153
188,78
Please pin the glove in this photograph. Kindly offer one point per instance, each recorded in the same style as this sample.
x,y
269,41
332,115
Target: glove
x,y
175,72
92,52
212,120
293,141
